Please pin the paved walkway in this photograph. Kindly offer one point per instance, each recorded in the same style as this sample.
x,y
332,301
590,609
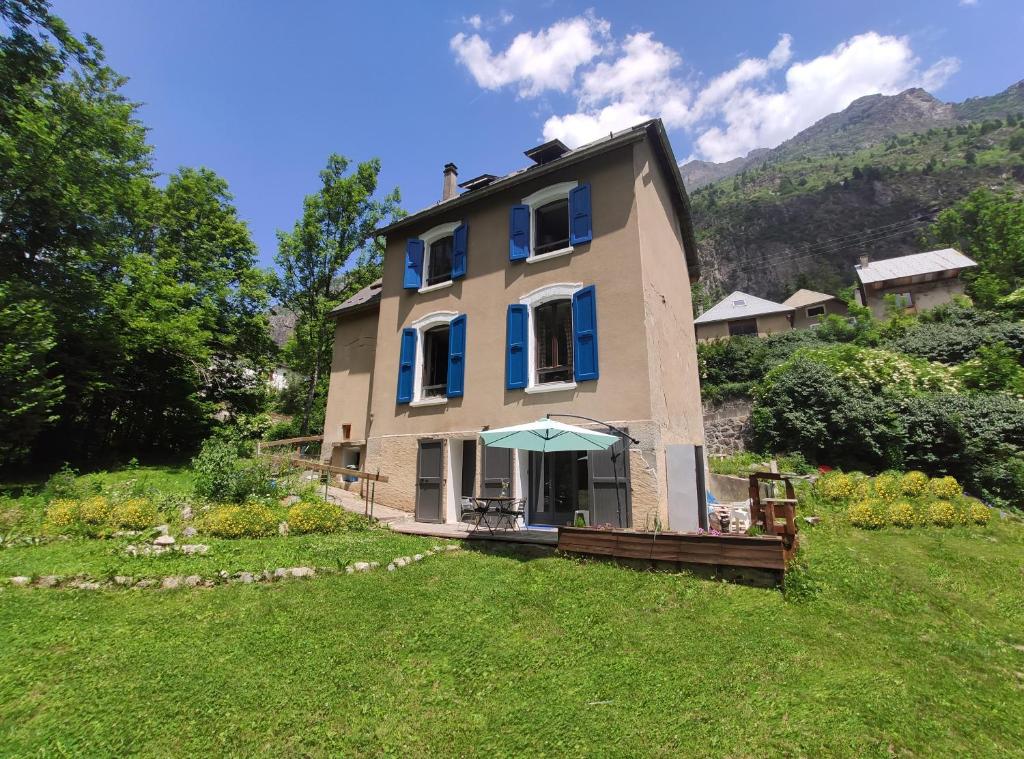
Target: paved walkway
x,y
352,502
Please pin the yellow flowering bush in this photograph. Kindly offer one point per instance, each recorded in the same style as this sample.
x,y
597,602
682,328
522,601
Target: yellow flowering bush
x,y
942,513
979,513
134,514
903,514
914,484
62,513
835,486
247,521
94,510
945,488
315,516
888,486
868,515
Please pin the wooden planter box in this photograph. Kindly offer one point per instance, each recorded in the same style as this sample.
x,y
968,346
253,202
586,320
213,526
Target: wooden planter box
x,y
762,552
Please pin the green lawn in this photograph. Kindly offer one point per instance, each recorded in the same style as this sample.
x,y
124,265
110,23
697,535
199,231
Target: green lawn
x,y
890,642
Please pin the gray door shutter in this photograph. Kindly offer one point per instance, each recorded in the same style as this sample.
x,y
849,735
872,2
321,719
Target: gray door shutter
x,y
497,467
610,496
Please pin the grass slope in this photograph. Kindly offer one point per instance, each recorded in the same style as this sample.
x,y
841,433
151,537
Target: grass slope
x,y
889,642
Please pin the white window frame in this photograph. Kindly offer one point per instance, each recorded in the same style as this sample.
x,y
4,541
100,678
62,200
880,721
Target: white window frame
x,y
428,238
541,198
540,296
421,325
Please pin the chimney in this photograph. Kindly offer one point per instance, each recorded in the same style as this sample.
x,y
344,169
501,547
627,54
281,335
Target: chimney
x,y
864,261
451,172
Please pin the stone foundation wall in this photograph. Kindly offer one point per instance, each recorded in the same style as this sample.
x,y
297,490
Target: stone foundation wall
x,y
727,426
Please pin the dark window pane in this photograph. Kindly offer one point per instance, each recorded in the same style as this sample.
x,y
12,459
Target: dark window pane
x,y
439,262
743,327
553,335
551,224
435,361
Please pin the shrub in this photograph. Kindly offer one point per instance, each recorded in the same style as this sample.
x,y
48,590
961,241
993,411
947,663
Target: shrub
x,y
888,486
914,484
315,516
835,486
903,514
979,513
63,484
945,487
246,521
942,513
62,513
220,474
868,515
134,514
94,510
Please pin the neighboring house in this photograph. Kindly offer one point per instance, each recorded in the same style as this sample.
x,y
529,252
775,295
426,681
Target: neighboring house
x,y
810,308
563,288
916,282
743,314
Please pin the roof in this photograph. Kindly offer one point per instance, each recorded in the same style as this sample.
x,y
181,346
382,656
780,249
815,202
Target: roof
x,y
365,299
653,129
739,305
802,298
913,265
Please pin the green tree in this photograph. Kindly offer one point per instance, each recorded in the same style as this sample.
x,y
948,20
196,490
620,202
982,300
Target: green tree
x,y
988,227
338,222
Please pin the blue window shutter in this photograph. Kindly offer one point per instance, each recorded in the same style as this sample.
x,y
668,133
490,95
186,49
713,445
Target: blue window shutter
x,y
584,334
457,357
413,264
580,218
519,233
407,365
516,364
460,250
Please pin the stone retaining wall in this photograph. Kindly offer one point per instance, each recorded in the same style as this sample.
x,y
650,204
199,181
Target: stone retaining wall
x,y
727,426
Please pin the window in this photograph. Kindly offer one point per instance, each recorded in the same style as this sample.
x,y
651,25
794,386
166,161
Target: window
x,y
435,362
551,222
813,311
552,333
904,300
439,261
743,327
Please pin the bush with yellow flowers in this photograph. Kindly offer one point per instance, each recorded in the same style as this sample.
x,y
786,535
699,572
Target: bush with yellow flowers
x,y
867,514
903,514
315,516
94,510
914,484
944,488
250,520
888,486
834,486
942,514
61,514
979,513
134,514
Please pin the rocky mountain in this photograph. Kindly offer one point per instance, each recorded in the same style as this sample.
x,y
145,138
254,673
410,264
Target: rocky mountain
x,y
867,180
865,122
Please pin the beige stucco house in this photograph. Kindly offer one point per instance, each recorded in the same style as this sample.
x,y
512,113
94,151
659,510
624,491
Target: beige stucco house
x,y
742,314
562,288
915,282
810,308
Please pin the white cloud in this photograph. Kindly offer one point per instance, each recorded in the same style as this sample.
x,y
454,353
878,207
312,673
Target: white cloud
x,y
968,3
746,107
505,18
474,21
537,62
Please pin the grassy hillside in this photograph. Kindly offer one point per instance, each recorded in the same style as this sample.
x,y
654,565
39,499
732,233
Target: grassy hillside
x,y
805,221
905,642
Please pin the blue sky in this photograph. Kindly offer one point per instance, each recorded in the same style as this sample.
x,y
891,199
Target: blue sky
x,y
262,91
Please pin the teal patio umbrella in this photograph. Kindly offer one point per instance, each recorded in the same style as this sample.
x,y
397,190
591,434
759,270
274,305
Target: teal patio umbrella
x,y
546,436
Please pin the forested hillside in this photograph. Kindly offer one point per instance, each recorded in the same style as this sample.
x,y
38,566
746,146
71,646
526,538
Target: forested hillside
x,y
859,182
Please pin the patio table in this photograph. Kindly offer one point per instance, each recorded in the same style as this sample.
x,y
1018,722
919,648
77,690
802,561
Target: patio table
x,y
489,504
